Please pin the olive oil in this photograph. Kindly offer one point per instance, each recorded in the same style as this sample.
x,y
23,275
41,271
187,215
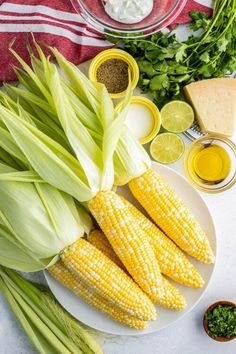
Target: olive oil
x,y
210,164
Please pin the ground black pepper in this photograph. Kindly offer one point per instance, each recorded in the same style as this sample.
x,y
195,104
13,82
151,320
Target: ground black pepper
x,y
113,73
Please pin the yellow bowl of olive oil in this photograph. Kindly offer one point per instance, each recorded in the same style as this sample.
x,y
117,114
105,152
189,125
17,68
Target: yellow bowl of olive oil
x,y
210,163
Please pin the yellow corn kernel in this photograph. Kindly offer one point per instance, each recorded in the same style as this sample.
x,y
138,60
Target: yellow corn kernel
x,y
171,297
171,259
172,215
132,246
99,240
107,279
81,289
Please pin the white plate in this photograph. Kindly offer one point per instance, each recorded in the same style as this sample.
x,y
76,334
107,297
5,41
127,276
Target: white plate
x,y
93,318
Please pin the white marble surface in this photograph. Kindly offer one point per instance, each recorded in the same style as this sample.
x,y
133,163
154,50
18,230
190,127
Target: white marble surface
x,y
187,335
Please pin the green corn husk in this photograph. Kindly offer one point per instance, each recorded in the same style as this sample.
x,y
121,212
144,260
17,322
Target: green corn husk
x,y
92,170
49,327
37,221
130,158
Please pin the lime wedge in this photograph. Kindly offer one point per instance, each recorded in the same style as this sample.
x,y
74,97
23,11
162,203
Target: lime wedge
x,y
167,148
177,116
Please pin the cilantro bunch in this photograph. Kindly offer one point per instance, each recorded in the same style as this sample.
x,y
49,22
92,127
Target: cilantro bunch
x,y
167,64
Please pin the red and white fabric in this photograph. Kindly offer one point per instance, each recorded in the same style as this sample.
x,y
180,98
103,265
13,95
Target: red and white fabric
x,y
55,23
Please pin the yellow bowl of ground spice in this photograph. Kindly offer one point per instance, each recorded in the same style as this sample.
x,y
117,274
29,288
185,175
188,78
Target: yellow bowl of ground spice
x,y
111,67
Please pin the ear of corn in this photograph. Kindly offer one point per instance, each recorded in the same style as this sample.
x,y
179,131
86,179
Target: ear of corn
x,y
84,291
171,259
171,296
99,240
107,279
172,215
132,247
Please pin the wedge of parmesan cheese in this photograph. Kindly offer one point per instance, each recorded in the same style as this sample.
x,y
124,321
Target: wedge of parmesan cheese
x,y
214,102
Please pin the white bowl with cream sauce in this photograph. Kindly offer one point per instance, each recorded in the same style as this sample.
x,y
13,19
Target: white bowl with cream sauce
x,y
128,11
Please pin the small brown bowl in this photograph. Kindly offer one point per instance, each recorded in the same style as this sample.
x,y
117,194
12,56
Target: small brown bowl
x,y
205,322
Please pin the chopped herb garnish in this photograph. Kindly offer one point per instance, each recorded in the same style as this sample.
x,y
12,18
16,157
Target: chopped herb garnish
x,y
222,321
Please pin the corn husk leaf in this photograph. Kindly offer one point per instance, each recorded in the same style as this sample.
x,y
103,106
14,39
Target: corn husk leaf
x,y
30,97
88,93
34,321
25,80
27,325
9,145
37,117
84,114
86,150
130,159
38,219
85,219
87,117
51,130
14,257
35,78
29,101
96,166
6,158
21,176
50,328
49,159
101,103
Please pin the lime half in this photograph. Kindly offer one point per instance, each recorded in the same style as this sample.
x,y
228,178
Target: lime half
x,y
177,116
167,148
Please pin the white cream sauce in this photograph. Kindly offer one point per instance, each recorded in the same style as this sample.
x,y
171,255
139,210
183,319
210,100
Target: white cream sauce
x,y
128,11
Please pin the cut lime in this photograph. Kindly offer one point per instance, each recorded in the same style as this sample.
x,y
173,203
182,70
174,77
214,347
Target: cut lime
x,y
177,116
167,148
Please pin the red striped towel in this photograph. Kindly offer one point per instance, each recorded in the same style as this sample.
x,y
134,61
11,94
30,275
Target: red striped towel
x,y
54,22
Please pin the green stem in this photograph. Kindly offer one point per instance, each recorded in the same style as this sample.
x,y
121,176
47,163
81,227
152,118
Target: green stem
x,y
222,33
50,329
206,34
24,322
45,301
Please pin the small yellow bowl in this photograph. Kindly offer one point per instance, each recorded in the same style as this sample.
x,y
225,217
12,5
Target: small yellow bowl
x,y
114,54
155,113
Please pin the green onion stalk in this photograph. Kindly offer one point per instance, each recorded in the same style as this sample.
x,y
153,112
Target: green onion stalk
x,y
50,328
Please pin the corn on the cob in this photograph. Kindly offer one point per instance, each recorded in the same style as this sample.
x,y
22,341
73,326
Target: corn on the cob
x,y
172,215
171,296
133,249
99,240
107,279
171,259
81,289
131,245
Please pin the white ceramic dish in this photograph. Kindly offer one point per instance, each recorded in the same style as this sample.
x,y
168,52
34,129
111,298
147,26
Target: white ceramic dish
x,y
93,318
